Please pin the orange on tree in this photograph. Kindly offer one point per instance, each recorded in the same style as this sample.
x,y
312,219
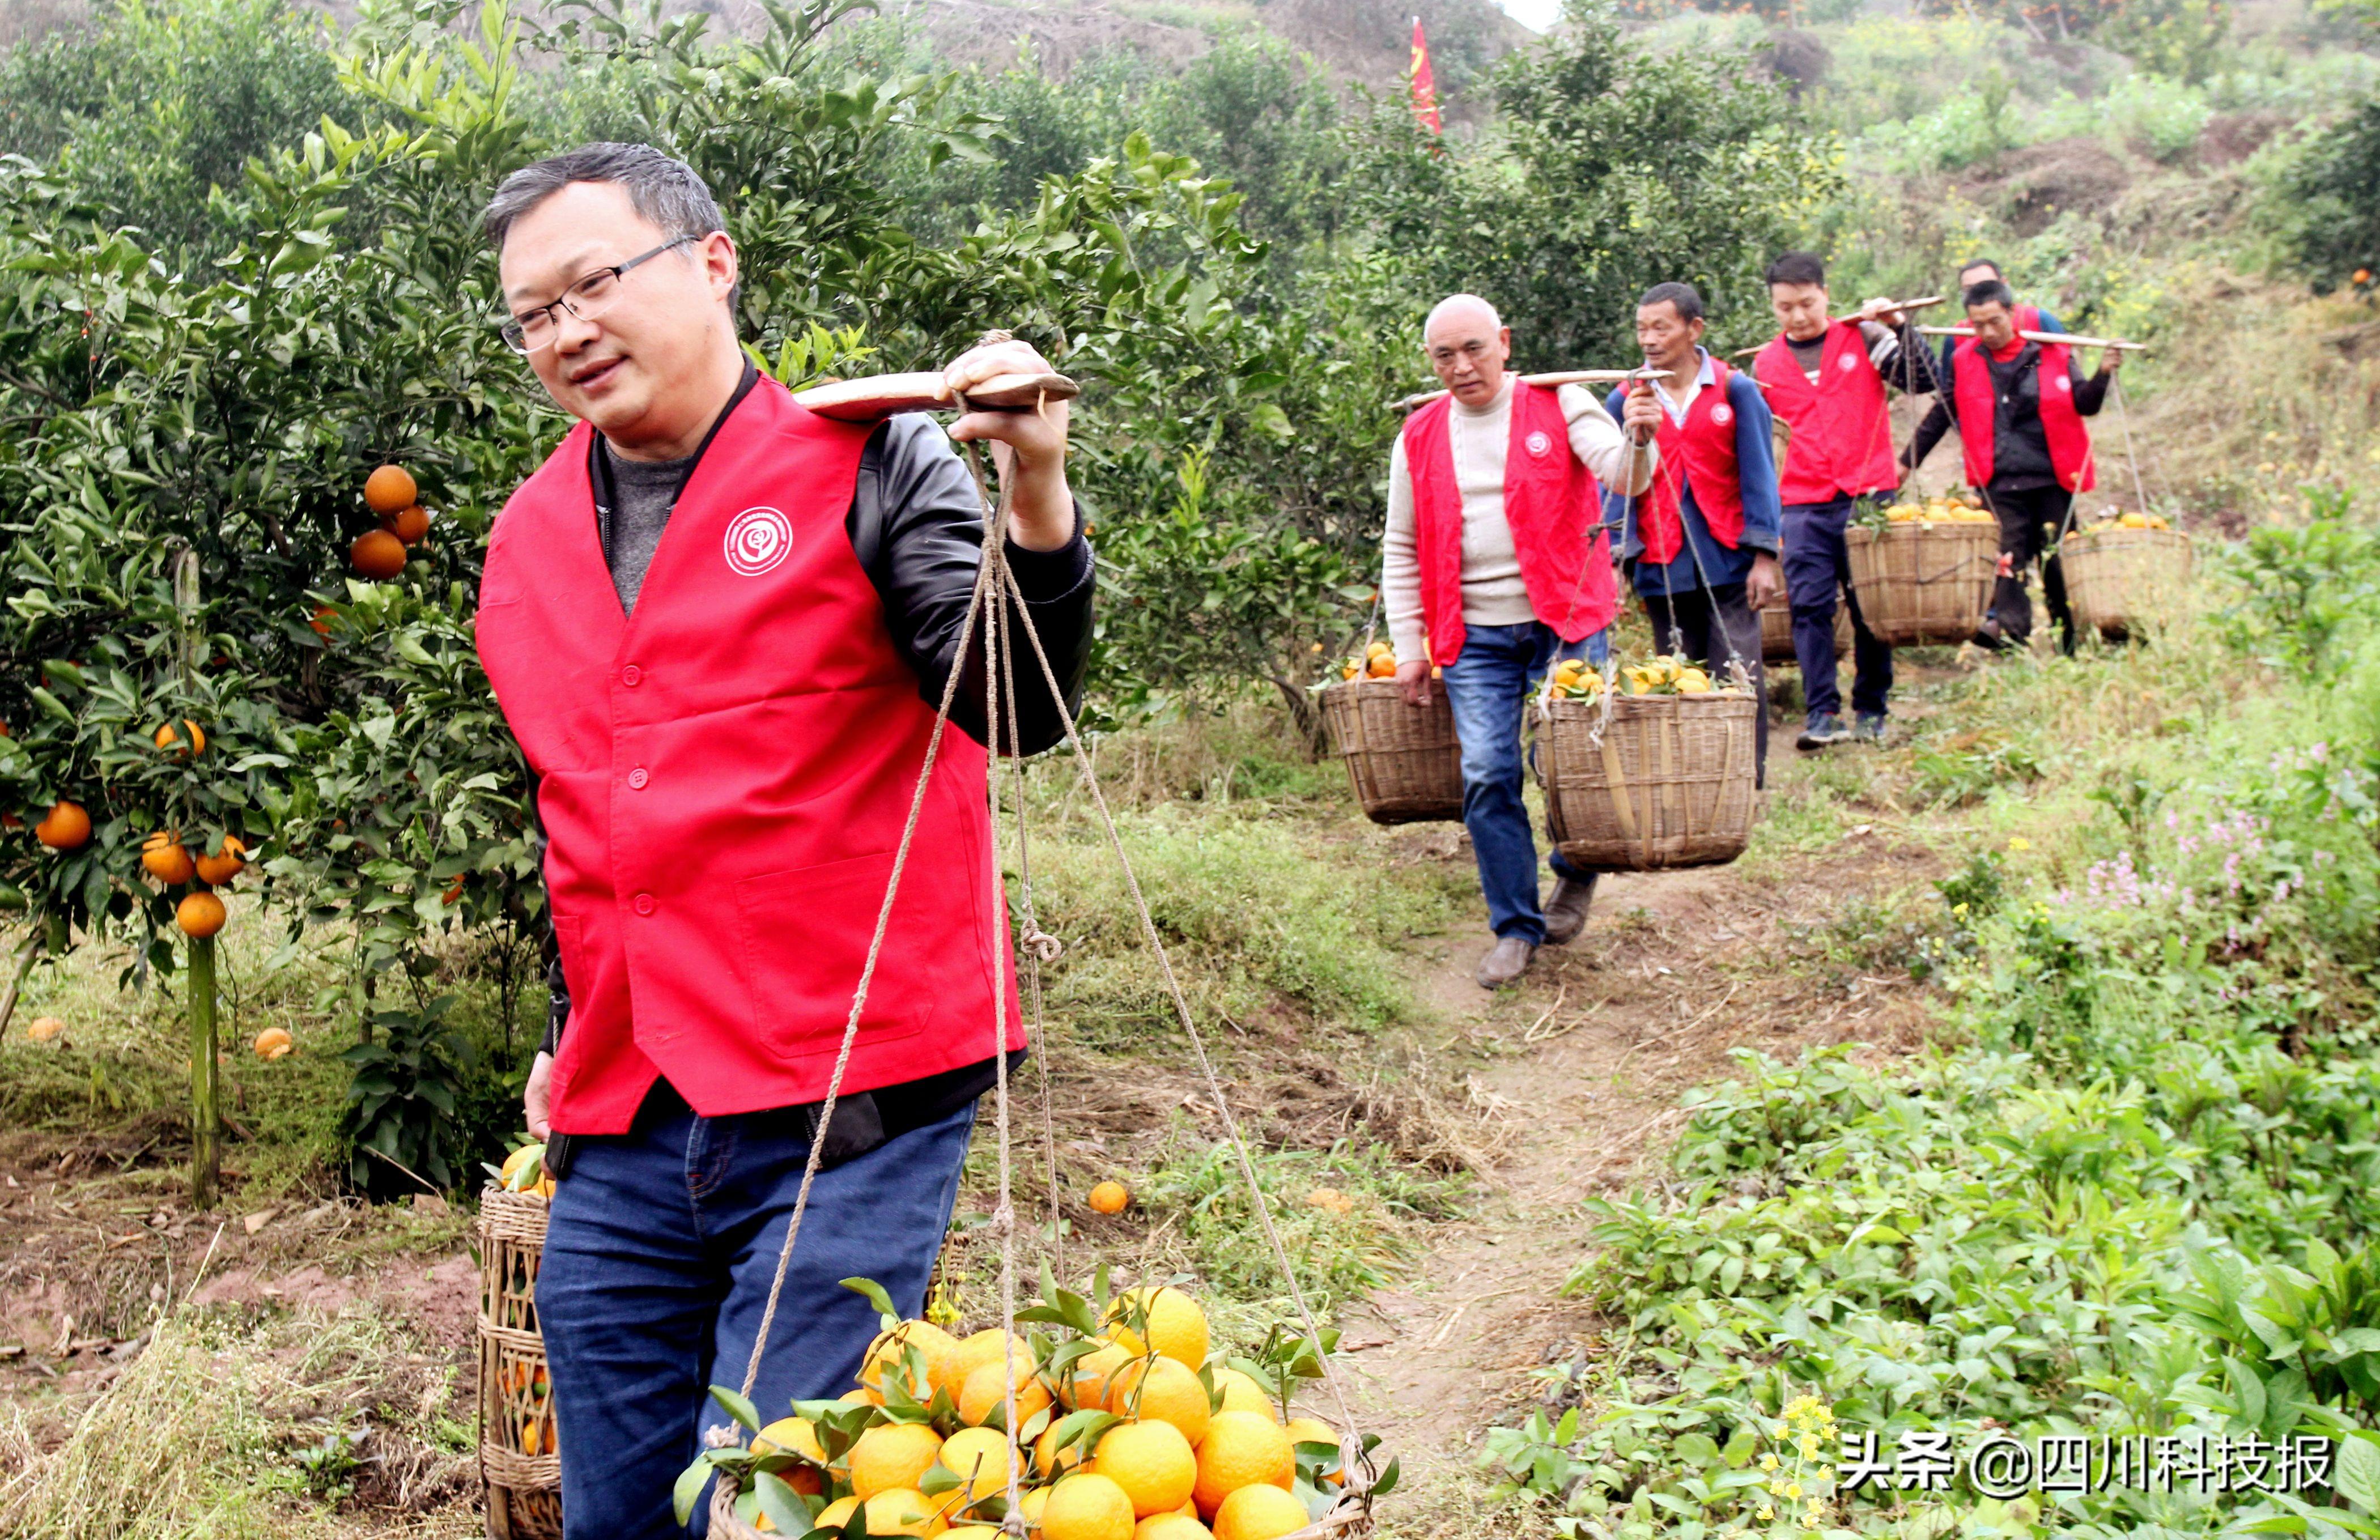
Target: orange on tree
x,y
323,616
199,913
275,1042
377,554
409,525
1086,1507
1161,1389
890,1352
1241,1449
972,1354
170,738
1109,1197
1176,1327
163,858
65,827
389,490
1152,1461
225,865
1171,1526
891,1456
983,1393
1259,1513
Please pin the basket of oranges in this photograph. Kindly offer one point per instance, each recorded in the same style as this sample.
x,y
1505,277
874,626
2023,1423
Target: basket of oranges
x,y
519,1458
1404,760
1922,572
2123,570
1647,765
1131,1423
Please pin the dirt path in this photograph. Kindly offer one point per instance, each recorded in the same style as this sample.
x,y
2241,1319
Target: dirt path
x,y
1578,1077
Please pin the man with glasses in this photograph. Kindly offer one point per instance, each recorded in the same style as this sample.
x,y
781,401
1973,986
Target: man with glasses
x,y
719,626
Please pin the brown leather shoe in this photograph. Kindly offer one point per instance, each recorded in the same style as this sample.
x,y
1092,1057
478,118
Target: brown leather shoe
x,y
1505,962
1566,911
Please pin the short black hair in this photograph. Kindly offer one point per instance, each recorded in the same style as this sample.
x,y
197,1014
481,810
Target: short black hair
x,y
665,189
1689,303
1991,291
1974,262
1797,267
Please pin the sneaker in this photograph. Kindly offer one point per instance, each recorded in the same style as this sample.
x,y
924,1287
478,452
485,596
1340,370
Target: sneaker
x,y
1566,911
1824,732
1869,729
1505,962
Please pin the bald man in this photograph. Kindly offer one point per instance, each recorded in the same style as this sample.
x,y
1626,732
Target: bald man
x,y
1494,566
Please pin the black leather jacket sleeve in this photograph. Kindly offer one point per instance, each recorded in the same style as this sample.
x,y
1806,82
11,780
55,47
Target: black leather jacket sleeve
x,y
916,526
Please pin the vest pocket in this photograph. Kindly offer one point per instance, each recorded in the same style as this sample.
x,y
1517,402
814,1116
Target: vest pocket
x,y
804,937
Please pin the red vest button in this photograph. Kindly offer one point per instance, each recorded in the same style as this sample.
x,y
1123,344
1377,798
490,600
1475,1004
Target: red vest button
x,y
637,779
632,675
644,903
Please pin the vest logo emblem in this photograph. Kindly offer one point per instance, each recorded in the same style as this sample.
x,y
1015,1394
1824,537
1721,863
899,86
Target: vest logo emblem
x,y
1536,444
758,540
1722,415
2064,384
1848,362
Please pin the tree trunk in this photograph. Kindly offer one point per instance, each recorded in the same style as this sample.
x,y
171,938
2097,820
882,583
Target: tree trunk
x,y
206,1119
1306,714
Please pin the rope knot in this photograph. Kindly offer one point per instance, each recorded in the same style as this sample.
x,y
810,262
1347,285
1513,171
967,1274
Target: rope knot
x,y
1041,944
722,1436
1002,1222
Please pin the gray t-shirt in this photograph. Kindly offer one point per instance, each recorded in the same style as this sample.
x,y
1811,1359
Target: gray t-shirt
x,y
646,488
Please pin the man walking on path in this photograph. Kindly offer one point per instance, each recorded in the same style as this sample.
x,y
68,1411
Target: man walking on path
x,y
2029,318
1493,567
718,625
1829,380
1701,546
2019,407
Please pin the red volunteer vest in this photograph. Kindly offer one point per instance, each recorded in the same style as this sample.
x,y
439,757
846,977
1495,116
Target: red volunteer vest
x,y
1700,455
1552,502
723,777
1843,435
2069,440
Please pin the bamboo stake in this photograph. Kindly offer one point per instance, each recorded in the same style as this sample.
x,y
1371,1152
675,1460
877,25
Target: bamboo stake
x,y
2066,339
1543,381
206,1119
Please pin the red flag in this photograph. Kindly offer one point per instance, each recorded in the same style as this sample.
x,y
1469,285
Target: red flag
x,y
1424,85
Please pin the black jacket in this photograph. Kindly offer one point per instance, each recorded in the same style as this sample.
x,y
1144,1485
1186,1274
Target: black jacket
x,y
2020,444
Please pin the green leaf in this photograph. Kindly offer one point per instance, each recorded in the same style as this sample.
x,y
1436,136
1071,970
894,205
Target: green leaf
x,y
2357,1476
874,1293
690,1489
736,1406
781,1504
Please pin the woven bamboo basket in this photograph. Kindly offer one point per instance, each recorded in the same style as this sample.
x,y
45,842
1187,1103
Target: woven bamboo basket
x,y
1777,632
1924,582
1666,781
519,1460
2117,580
1404,761
1348,1518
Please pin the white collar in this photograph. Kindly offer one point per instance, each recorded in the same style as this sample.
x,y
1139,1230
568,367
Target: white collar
x,y
1501,399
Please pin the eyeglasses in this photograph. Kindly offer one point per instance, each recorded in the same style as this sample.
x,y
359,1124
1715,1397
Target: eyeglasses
x,y
587,298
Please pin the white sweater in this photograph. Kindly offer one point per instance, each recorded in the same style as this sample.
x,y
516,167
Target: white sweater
x,y
1493,593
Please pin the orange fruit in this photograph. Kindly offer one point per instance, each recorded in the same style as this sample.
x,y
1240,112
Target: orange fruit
x,y
409,525
1241,1394
976,1456
892,1456
1109,1197
1090,1376
323,616
835,1515
972,1354
1383,667
377,554
1048,1460
389,489
199,913
982,1393
890,1352
1171,1526
900,1511
275,1042
791,1435
43,1028
1151,1462
1176,1327
225,864
1159,1389
65,827
1259,1513
1241,1449
163,857
165,737
1314,1430
1087,1507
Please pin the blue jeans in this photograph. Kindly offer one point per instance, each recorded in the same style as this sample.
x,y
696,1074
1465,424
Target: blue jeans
x,y
1487,685
657,1265
1817,567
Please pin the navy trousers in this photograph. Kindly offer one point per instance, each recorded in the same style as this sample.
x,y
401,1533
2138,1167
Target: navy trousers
x,y
1817,569
656,1265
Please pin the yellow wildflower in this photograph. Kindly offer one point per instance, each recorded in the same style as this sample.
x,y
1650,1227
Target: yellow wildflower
x,y
2017,842
1768,1461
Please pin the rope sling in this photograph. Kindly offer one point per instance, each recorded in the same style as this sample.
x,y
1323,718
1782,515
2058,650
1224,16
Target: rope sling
x,y
996,587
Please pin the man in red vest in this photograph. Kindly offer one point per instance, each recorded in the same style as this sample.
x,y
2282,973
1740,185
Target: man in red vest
x,y
1829,380
1493,568
2029,318
2019,407
718,625
1701,547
